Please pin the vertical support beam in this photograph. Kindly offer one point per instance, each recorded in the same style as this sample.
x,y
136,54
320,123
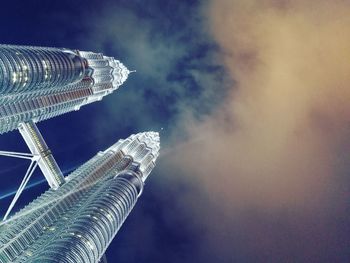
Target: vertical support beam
x,y
38,147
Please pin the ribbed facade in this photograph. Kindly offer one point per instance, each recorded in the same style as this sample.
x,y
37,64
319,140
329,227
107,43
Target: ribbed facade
x,y
86,238
39,83
36,68
77,222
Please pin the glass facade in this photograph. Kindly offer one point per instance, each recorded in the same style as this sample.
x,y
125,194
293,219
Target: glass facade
x,y
36,68
77,222
39,83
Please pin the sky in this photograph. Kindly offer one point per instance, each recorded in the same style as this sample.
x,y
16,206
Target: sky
x,y
251,100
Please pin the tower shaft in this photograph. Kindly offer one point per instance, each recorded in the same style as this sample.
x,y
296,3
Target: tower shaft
x,y
77,222
38,83
26,68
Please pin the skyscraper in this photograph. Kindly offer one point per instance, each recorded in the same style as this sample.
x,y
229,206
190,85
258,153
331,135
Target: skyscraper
x,y
77,218
39,83
77,222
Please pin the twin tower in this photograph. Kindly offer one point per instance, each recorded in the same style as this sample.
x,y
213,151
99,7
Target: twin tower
x,y
77,218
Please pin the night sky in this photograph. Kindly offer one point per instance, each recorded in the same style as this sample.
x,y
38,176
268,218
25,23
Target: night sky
x,y
251,99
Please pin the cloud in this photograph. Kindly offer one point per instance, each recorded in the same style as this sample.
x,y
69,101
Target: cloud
x,y
279,130
173,55
271,158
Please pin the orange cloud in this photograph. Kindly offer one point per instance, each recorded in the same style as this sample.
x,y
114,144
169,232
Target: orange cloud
x,y
276,138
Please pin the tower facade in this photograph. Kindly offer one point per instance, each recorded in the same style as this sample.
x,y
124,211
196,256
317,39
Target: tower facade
x,y
77,222
38,83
